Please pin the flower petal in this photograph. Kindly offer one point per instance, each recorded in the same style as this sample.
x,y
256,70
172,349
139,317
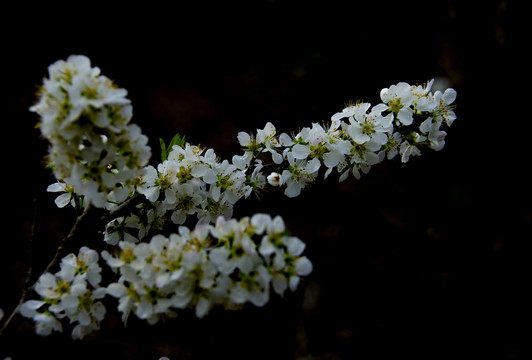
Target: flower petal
x,y
355,131
300,151
29,308
449,96
303,266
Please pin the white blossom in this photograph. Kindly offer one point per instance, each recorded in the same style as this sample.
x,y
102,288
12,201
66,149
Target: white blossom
x,y
65,198
431,130
120,229
357,138
299,174
398,99
94,151
71,293
444,110
373,126
100,159
275,179
211,265
188,201
194,182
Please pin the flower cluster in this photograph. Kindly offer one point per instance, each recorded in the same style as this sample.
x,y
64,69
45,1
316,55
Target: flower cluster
x,y
99,157
228,264
191,182
71,293
194,181
408,119
94,150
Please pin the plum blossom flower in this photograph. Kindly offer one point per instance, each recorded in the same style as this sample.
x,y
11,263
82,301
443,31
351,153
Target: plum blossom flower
x,y
71,293
64,199
85,117
299,174
444,110
398,99
187,202
211,265
265,141
373,126
432,131
275,179
97,155
283,253
121,229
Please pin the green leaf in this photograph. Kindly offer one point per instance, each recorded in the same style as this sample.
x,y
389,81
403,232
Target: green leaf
x,y
165,150
164,153
176,140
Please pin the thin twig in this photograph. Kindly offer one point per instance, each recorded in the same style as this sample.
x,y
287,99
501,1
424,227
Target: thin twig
x,y
75,231
123,208
29,284
34,225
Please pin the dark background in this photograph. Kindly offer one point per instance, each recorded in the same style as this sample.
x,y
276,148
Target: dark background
x,y
426,260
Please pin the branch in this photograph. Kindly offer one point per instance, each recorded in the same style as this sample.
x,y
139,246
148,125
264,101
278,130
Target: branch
x,y
124,208
77,229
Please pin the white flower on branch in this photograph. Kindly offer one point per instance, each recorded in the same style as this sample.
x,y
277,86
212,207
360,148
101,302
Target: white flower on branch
x,y
100,159
71,293
211,265
85,117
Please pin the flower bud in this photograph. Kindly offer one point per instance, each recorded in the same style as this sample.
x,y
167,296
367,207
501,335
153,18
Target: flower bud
x,y
275,179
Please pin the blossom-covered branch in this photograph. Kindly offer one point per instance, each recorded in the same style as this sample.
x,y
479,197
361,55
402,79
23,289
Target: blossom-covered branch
x,y
228,264
193,181
99,158
95,152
